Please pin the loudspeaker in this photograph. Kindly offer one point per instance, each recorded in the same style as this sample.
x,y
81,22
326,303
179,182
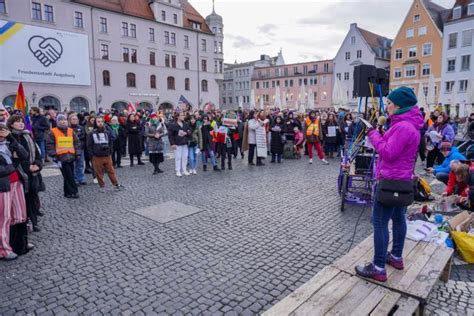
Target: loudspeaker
x,y
363,74
383,81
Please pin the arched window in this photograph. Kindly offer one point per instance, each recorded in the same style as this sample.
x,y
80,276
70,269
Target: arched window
x,y
79,104
171,85
131,80
49,102
145,106
106,77
9,101
204,86
186,84
119,106
153,82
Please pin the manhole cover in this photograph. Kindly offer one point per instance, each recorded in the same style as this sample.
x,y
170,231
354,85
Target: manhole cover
x,y
167,212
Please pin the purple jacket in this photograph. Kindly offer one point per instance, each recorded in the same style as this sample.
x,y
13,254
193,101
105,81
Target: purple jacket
x,y
398,147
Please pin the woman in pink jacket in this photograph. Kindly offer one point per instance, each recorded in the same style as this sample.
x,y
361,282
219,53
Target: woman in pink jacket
x,y
397,149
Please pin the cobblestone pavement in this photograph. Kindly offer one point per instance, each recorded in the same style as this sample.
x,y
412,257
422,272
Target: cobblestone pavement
x,y
262,233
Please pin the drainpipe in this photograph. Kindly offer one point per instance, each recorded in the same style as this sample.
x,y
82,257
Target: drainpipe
x,y
198,70
93,62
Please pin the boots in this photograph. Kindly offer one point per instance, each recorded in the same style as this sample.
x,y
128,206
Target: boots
x,y
204,168
131,160
229,165
155,171
216,169
140,163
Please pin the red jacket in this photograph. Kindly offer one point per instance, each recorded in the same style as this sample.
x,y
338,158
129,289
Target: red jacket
x,y
462,186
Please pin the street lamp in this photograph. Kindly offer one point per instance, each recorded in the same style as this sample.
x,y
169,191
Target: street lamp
x,y
33,97
99,99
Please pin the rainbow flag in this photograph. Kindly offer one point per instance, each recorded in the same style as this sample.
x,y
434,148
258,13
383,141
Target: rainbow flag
x,y
21,104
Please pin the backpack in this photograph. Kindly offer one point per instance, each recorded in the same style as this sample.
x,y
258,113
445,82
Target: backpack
x,y
422,190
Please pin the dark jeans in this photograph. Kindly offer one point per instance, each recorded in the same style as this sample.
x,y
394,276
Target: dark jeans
x,y
117,157
252,149
443,177
277,156
434,157
67,170
381,215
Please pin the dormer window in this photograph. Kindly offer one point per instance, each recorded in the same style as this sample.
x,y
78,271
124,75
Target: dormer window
x,y
196,25
416,18
457,12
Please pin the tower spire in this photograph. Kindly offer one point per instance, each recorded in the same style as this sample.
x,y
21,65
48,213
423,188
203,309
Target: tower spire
x,y
213,5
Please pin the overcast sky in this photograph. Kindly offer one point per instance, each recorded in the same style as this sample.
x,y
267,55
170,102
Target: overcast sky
x,y
305,29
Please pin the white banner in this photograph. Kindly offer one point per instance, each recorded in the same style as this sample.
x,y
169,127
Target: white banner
x,y
37,54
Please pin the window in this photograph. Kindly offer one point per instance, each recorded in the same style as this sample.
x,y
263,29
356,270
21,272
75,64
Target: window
x,y
470,9
467,38
36,11
348,55
397,73
48,13
216,66
409,33
426,70
412,52
106,78
466,63
338,76
410,71
167,37
78,22
257,84
204,86
203,45
153,82
463,85
427,49
104,51
133,30
291,82
152,58
163,16
220,48
3,7
126,54
326,67
133,55
416,18
353,40
398,54
175,18
131,80
451,64
167,60
103,25
187,85
359,54
204,65
124,29
346,76
305,70
215,47
449,86
196,25
170,83
186,41
422,31
151,34
186,63
457,12
173,39
453,40
173,61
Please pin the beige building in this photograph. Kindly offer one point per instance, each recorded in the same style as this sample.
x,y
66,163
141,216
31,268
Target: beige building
x,y
417,49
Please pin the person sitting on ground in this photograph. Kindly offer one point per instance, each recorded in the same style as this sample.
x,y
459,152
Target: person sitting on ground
x,y
450,153
299,141
459,183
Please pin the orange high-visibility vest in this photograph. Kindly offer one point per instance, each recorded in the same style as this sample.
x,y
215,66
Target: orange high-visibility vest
x,y
312,129
64,143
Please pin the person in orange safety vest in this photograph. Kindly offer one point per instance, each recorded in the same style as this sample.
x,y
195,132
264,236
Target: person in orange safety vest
x,y
312,132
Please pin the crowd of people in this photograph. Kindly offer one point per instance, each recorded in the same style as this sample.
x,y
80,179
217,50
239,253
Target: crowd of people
x,y
96,142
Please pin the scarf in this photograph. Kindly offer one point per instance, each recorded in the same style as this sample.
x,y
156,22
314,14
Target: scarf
x,y
31,144
115,128
5,152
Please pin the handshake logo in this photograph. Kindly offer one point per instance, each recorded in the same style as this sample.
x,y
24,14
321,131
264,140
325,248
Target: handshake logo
x,y
46,50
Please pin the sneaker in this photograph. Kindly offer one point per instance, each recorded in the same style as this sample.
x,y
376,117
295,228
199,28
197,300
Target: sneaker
x,y
310,161
394,262
118,187
178,174
10,256
371,272
194,171
324,161
95,181
30,246
186,173
101,190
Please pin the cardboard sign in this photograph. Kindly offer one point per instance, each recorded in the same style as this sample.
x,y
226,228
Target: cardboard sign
x,y
230,119
261,135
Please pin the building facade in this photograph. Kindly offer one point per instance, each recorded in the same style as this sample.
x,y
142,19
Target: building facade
x,y
236,88
293,84
417,49
458,56
359,47
140,51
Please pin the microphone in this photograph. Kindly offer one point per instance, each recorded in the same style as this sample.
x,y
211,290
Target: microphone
x,y
381,123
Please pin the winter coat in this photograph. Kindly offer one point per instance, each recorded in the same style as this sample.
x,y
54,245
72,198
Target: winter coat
x,y
40,126
251,134
445,167
398,147
205,138
31,182
120,136
51,147
173,134
276,140
80,132
134,138
100,149
453,185
330,139
155,145
7,169
195,135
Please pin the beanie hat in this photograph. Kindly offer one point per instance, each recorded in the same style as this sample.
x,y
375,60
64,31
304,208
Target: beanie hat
x,y
60,117
445,146
403,97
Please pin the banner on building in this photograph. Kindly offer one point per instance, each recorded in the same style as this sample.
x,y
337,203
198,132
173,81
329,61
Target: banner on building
x,y
43,55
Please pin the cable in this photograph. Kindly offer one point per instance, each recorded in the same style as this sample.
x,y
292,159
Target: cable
x,y
355,228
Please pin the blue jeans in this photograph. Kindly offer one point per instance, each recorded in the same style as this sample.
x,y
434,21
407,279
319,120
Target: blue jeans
x,y
79,169
42,146
209,152
381,215
192,157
